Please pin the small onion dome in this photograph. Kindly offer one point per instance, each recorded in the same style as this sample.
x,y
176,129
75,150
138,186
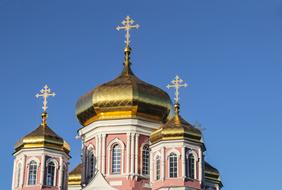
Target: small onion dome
x,y
124,97
75,175
212,174
43,137
175,129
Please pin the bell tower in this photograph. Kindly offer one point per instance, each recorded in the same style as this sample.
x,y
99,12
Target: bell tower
x,y
41,157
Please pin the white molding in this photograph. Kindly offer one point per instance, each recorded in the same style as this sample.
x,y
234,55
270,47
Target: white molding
x,y
109,149
136,153
168,163
43,157
173,150
132,154
141,156
128,135
103,153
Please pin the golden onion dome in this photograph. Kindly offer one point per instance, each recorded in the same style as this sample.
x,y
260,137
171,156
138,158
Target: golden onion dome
x,y
124,97
43,137
176,129
212,174
75,175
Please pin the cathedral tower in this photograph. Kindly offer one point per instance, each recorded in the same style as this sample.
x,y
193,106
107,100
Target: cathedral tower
x,y
41,157
118,118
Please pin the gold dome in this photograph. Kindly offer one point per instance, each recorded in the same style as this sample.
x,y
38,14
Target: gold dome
x,y
124,97
175,129
212,174
43,137
75,175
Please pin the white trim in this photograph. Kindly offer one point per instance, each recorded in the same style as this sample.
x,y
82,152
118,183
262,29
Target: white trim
x,y
196,161
33,159
90,147
132,154
141,158
136,153
42,170
36,160
128,135
113,142
61,167
18,177
163,163
183,158
174,151
55,172
154,166
103,153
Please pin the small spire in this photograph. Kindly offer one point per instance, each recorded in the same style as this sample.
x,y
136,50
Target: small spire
x,y
45,93
127,26
177,83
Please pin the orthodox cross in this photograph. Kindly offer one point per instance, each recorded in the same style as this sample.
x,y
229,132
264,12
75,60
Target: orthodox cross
x,y
177,83
45,93
127,26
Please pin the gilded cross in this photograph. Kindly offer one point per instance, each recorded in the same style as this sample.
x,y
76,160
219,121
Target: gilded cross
x,y
177,83
45,93
127,26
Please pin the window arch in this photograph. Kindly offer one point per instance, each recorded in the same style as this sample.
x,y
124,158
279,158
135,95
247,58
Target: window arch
x,y
158,168
116,159
172,165
191,166
145,159
32,173
50,175
19,170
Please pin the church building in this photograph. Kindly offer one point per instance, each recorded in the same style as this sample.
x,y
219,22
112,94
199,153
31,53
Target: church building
x,y
133,138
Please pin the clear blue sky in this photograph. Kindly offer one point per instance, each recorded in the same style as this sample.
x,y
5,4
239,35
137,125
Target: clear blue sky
x,y
229,51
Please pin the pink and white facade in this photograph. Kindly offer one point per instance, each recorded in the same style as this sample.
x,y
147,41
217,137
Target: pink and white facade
x,y
40,168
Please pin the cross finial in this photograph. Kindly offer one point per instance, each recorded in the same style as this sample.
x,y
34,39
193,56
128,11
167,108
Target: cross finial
x,y
45,93
177,83
127,25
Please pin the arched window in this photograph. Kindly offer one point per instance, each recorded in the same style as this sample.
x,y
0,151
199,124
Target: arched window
x,y
172,165
116,159
91,164
191,166
158,168
50,177
32,173
19,170
146,158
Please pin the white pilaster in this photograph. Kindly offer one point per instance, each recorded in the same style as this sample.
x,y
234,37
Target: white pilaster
x,y
24,171
183,157
60,172
127,152
98,151
14,174
132,154
152,166
42,170
103,152
136,153
163,163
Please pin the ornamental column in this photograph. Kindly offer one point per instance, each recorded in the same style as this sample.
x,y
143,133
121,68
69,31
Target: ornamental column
x,y
103,152
183,156
136,153
128,142
42,170
163,163
132,154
